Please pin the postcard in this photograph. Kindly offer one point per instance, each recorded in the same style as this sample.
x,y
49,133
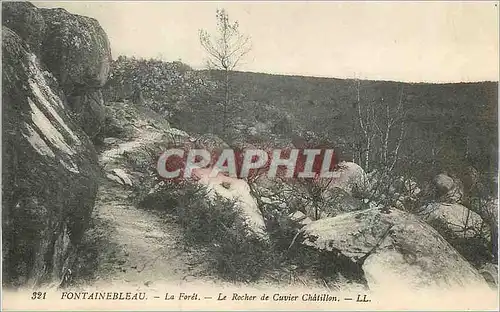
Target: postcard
x,y
240,155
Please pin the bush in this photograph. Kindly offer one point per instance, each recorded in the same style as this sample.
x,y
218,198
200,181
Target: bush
x,y
474,249
216,223
285,240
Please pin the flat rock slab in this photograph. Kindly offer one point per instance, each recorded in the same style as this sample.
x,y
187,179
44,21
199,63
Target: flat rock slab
x,y
393,247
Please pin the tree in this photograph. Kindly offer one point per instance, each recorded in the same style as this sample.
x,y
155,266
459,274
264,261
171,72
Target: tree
x,y
380,128
225,51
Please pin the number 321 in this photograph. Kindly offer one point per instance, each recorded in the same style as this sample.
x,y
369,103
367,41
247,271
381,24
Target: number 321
x,y
38,295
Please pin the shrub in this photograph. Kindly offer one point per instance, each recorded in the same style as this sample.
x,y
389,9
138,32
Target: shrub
x,y
285,239
474,249
216,223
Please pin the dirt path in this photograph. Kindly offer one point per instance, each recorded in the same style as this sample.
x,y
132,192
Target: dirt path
x,y
143,248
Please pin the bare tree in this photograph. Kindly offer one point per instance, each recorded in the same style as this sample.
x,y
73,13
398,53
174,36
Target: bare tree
x,y
225,51
381,129
366,123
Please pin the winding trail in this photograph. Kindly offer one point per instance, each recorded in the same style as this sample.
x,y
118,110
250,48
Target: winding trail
x,y
144,248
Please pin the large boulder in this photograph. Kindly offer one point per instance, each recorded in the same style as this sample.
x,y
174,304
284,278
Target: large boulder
x,y
463,228
75,49
450,190
457,218
77,52
49,172
350,176
239,191
25,20
393,249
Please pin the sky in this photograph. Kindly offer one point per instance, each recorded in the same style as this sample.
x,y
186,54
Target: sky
x,y
400,41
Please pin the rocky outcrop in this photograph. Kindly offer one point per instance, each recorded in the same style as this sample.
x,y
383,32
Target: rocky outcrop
x,y
88,111
78,51
239,191
49,169
393,249
74,48
27,21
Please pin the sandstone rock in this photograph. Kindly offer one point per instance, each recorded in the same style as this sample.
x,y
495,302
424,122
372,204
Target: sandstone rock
x,y
238,190
457,218
451,191
78,52
49,171
89,111
464,229
444,183
26,21
393,249
123,177
349,176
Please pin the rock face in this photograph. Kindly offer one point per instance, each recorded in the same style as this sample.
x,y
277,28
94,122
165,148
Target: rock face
x,y
74,48
49,170
393,248
27,21
88,111
79,55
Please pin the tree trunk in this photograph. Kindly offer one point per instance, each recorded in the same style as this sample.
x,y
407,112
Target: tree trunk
x,y
226,102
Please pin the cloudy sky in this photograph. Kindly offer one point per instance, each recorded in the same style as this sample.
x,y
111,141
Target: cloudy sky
x,y
405,41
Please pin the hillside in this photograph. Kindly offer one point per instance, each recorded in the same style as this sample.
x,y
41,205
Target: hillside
x,y
448,126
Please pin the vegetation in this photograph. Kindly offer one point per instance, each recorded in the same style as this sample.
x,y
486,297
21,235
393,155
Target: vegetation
x,y
448,127
225,51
